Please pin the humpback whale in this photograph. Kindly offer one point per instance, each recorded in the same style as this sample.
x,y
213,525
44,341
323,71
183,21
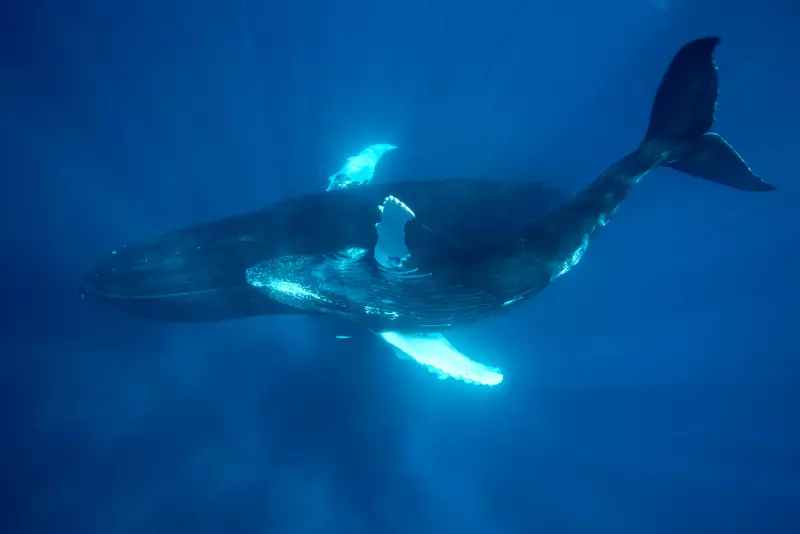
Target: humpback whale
x,y
412,259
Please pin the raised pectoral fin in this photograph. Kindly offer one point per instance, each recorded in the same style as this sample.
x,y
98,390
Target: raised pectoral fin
x,y
391,250
359,169
436,354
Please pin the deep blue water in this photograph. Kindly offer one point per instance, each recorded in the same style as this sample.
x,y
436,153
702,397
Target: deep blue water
x,y
653,389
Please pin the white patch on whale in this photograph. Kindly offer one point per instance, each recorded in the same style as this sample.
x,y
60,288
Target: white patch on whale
x,y
573,259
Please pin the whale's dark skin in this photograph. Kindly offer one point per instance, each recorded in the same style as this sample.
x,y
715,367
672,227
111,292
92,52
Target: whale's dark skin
x,y
198,274
471,254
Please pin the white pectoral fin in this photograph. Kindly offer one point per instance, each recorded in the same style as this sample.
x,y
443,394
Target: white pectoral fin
x,y
359,169
435,353
390,249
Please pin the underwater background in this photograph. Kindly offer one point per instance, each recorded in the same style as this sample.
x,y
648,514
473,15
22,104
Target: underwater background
x,y
653,389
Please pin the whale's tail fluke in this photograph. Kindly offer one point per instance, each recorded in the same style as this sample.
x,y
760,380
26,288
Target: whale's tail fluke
x,y
682,115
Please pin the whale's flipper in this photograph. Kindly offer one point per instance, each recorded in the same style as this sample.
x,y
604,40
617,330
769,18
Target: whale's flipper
x,y
359,169
682,115
391,250
436,354
432,351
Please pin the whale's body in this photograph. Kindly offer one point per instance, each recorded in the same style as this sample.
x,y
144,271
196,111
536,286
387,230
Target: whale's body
x,y
272,260
468,249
